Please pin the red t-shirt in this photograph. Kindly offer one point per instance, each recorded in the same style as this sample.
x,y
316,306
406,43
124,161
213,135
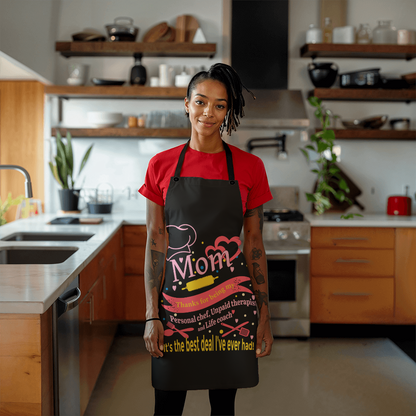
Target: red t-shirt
x,y
249,171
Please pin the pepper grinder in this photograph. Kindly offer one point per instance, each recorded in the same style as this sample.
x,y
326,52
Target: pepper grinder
x,y
138,72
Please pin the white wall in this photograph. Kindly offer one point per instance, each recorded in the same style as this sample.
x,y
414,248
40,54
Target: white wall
x,y
28,30
123,162
383,166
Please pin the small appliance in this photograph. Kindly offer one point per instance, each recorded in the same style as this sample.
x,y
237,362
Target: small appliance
x,y
399,204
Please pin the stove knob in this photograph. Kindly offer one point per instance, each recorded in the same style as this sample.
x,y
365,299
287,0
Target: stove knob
x,y
296,235
282,235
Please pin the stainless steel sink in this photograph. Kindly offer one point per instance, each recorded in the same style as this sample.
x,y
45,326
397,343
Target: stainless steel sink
x,y
35,255
47,236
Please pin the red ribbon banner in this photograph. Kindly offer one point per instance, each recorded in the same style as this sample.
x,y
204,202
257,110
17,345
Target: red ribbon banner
x,y
208,298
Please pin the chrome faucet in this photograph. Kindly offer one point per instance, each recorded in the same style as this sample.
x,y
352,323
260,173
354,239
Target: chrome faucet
x,y
28,183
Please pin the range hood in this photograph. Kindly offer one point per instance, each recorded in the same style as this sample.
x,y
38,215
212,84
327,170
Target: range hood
x,y
282,109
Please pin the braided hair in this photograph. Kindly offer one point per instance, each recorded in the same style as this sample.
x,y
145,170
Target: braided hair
x,y
232,82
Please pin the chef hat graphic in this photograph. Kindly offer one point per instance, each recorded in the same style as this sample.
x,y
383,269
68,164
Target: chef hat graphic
x,y
181,238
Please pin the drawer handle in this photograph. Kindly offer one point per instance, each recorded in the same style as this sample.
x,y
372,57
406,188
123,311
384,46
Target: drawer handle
x,y
91,303
350,294
351,238
352,261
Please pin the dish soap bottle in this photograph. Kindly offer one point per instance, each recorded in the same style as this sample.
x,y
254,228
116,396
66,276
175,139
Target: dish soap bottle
x,y
327,30
138,74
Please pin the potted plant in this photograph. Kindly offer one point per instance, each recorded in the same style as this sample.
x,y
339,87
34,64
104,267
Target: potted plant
x,y
4,206
328,173
63,171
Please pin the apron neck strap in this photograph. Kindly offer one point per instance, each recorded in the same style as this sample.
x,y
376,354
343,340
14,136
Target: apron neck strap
x,y
228,154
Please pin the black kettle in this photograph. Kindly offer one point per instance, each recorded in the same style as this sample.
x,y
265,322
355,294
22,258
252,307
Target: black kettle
x,y
323,74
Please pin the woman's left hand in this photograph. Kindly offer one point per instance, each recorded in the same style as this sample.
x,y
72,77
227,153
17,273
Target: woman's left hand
x,y
264,334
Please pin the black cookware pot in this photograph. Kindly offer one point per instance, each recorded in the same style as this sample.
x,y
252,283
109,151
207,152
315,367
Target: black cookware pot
x,y
122,30
323,74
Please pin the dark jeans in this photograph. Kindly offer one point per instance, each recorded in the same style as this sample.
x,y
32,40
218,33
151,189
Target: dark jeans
x,y
171,403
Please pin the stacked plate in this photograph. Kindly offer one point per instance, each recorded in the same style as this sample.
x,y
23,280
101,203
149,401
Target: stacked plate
x,y
102,119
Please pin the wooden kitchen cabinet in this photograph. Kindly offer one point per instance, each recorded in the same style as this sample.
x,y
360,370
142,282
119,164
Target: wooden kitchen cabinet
x,y
21,138
26,359
99,311
363,275
134,237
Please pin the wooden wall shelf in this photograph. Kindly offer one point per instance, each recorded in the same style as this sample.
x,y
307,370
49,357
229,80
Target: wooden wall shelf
x,y
336,50
176,49
115,92
346,94
370,134
123,132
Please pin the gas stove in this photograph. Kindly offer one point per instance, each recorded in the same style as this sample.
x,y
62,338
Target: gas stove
x,y
284,225
280,215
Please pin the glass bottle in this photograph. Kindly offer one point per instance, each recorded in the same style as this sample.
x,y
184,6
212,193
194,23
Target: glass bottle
x,y
138,72
364,34
327,30
385,33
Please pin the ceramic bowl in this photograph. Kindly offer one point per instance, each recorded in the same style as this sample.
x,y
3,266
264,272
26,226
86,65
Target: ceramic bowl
x,y
103,119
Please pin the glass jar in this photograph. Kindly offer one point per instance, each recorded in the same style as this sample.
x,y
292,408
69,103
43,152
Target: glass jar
x,y
328,30
385,33
313,34
364,34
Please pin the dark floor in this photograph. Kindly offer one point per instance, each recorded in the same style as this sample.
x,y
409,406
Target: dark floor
x,y
404,336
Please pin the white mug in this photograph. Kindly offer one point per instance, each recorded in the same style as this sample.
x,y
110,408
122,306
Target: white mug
x,y
165,75
154,81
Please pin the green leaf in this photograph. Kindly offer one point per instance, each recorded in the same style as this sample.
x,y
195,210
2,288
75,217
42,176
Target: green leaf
x,y
333,171
314,101
322,146
343,185
305,153
85,158
340,196
310,147
315,171
310,197
328,135
54,170
349,216
69,155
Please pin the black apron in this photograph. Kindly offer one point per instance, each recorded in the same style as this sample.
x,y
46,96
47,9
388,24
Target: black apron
x,y
207,305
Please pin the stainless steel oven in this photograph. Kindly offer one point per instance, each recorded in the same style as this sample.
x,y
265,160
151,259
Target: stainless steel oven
x,y
286,237
288,271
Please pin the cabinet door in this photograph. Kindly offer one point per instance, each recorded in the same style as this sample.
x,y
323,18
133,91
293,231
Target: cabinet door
x,y
405,312
134,252
352,262
352,237
352,300
135,307
95,338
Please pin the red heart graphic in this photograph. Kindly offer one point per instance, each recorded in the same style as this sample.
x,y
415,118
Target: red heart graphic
x,y
223,239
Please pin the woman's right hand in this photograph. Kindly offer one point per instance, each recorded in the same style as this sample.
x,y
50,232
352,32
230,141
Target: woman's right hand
x,y
153,338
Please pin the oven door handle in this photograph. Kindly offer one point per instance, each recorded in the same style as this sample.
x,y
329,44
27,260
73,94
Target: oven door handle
x,y
352,261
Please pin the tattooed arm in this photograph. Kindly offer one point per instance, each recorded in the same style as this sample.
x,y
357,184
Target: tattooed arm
x,y
257,265
153,275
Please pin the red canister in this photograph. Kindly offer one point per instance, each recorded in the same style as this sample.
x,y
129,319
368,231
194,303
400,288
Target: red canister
x,y
399,205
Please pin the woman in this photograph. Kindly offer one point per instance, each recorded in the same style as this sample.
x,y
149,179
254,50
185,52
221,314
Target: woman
x,y
207,312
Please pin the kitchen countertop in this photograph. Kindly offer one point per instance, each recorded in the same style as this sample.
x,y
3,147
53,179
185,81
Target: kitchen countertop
x,y
34,288
368,220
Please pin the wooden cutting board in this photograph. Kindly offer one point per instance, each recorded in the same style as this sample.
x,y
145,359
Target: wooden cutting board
x,y
90,220
186,27
156,32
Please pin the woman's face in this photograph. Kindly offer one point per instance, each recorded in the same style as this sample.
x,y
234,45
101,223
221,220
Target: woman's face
x,y
207,107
